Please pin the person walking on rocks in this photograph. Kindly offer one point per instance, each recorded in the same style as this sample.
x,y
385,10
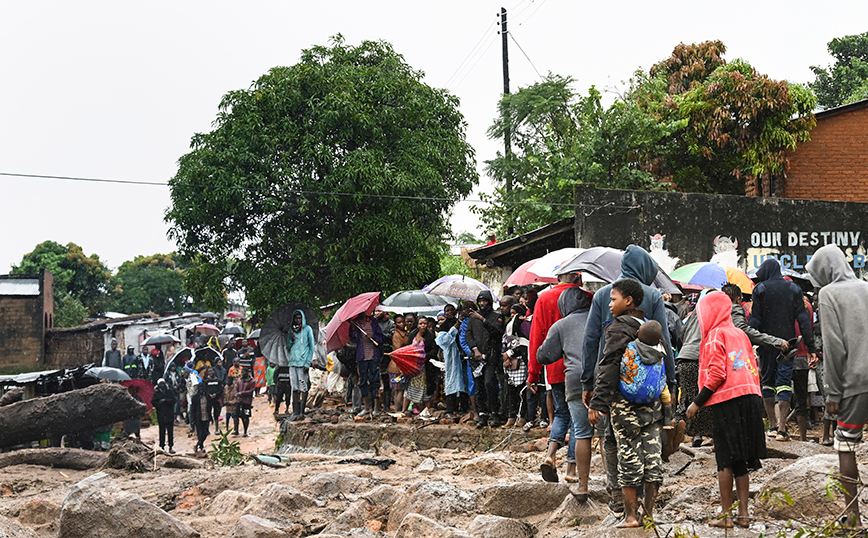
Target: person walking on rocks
x,y
244,389
301,346
163,401
843,308
729,378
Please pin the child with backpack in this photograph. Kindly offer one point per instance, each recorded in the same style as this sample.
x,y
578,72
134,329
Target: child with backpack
x,y
636,425
730,385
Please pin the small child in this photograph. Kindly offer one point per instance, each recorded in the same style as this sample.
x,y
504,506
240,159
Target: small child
x,y
229,402
636,426
730,386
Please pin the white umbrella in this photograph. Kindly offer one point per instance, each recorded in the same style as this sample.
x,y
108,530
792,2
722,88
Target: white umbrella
x,y
549,265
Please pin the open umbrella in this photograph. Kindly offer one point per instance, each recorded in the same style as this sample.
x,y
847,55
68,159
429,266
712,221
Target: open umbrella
x,y
179,359
145,388
209,315
338,329
414,301
205,356
409,359
160,339
234,314
254,335
605,264
524,277
272,339
712,275
106,372
457,286
236,330
551,265
205,329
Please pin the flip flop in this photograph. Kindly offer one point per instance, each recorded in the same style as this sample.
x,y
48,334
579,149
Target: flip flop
x,y
549,473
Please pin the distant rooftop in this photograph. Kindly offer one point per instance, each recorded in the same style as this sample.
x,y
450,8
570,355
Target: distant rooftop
x,y
20,286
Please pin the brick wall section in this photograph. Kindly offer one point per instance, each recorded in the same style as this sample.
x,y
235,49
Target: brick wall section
x,y
20,334
71,348
833,165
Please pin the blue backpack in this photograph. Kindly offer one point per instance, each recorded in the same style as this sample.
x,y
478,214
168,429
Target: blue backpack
x,y
641,383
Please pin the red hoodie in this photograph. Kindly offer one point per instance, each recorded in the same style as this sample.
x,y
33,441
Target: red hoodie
x,y
726,360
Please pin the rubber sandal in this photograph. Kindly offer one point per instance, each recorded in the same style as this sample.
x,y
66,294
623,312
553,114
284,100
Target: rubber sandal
x,y
549,473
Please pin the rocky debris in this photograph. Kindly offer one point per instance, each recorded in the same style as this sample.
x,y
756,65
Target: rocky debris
x,y
795,449
435,499
9,528
373,507
283,503
502,527
130,454
181,462
500,499
805,483
572,513
11,396
94,508
417,526
427,466
692,501
230,502
67,412
494,464
533,445
332,485
249,526
66,458
38,512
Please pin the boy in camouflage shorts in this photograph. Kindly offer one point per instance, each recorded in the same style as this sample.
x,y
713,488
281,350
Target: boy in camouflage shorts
x,y
636,426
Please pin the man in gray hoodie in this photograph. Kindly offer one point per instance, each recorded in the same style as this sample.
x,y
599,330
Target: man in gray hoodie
x,y
843,310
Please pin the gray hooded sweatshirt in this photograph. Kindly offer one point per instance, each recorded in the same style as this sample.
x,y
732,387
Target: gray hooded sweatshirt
x,y
565,338
843,311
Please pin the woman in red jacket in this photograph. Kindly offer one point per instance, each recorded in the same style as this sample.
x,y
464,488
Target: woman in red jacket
x,y
730,385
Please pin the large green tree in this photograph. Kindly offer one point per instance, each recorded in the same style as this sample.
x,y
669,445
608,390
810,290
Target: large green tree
x,y
324,179
846,80
150,284
81,282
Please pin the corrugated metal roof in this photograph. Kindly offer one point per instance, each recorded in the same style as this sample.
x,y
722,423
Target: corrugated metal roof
x,y
19,286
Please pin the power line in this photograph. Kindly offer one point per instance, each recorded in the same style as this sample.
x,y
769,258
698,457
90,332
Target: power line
x,y
532,14
481,55
312,193
525,55
469,54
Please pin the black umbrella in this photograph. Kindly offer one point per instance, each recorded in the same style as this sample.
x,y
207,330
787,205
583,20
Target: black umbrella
x,y
272,339
211,315
160,339
180,358
206,355
235,329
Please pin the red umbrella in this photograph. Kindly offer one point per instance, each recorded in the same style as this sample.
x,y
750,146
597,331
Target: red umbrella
x,y
146,390
338,329
234,314
523,277
409,359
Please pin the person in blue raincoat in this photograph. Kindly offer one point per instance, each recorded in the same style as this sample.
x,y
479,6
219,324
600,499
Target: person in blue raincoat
x,y
455,381
301,346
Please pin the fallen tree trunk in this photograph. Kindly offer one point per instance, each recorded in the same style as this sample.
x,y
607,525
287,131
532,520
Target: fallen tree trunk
x,y
12,396
69,412
66,458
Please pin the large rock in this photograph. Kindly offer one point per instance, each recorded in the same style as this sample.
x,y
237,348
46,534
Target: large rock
x,y
437,500
572,513
249,526
805,483
416,526
331,485
94,508
494,465
692,502
521,499
502,527
281,502
374,506
230,502
9,528
38,512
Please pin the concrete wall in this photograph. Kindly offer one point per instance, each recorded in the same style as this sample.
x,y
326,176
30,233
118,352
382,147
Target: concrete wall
x,y
747,229
833,165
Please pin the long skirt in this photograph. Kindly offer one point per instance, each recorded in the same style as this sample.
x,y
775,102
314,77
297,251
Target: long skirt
x,y
702,423
417,389
739,434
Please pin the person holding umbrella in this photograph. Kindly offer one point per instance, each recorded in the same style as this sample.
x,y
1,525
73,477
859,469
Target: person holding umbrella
x,y
301,346
366,334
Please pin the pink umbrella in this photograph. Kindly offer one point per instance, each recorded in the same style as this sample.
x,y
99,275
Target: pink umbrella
x,y
206,329
234,314
523,276
338,329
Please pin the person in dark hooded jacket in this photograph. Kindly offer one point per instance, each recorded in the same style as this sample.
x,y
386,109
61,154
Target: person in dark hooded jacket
x,y
638,265
163,401
484,336
777,305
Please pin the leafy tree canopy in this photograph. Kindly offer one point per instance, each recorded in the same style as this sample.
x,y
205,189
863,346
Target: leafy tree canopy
x,y
84,278
846,80
150,284
291,196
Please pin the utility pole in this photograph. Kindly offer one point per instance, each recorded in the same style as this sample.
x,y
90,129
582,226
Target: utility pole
x,y
507,133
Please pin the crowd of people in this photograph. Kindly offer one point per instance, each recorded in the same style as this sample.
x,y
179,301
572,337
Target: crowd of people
x,y
639,369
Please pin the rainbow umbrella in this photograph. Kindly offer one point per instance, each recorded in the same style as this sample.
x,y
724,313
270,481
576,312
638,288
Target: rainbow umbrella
x,y
711,275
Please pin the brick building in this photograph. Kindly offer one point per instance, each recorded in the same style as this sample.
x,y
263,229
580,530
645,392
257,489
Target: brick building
x,y
26,314
833,165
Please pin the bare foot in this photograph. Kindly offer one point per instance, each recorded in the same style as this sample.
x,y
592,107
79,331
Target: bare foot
x,y
629,524
722,523
743,521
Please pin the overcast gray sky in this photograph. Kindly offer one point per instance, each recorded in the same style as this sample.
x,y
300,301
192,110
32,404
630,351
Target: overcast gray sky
x,y
115,89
